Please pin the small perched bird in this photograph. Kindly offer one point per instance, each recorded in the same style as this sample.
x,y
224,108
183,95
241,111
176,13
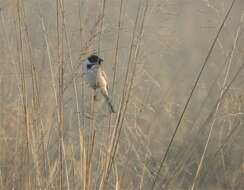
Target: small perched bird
x,y
96,77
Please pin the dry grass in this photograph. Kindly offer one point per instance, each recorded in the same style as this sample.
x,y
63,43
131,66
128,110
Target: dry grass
x,y
54,135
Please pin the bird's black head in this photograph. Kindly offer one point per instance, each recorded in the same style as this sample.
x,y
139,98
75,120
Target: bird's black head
x,y
95,59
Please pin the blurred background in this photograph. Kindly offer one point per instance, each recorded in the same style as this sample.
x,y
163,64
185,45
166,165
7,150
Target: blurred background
x,y
53,135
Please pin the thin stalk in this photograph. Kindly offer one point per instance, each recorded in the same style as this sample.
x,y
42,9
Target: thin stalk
x,y
21,59
115,64
60,63
100,29
81,137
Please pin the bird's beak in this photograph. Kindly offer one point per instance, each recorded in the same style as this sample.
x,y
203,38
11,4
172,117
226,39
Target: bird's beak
x,y
100,61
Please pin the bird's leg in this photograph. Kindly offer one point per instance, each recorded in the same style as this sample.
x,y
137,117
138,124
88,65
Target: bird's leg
x,y
94,95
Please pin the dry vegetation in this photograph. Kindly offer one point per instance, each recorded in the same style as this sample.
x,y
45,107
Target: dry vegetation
x,y
176,80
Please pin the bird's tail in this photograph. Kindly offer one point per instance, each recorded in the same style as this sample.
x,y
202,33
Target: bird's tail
x,y
111,108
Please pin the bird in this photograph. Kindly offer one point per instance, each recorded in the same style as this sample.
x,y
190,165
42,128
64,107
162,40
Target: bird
x,y
97,78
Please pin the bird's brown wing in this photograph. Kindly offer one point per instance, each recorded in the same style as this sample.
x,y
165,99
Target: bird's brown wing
x,y
105,77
